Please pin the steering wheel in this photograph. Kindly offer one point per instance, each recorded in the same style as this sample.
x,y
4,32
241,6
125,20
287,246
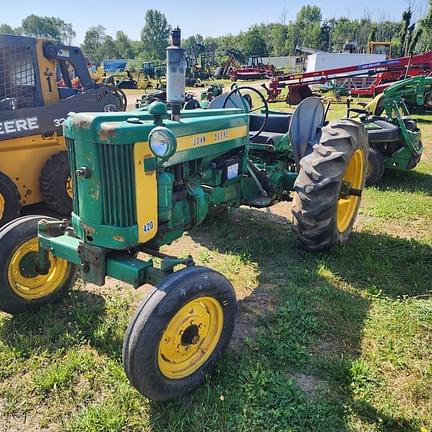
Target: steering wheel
x,y
247,107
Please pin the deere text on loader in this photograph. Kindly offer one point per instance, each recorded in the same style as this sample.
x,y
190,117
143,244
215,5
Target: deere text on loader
x,y
40,83
141,179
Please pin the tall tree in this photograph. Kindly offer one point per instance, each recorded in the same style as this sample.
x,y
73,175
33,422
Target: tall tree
x,y
194,45
48,27
93,41
7,29
124,46
426,24
308,14
155,33
343,31
308,26
108,49
277,38
292,39
324,37
409,35
253,43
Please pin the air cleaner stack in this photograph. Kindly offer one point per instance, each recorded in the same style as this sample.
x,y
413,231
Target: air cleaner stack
x,y
176,74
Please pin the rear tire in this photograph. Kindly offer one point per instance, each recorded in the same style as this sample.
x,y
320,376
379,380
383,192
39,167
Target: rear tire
x,y
179,332
375,168
55,184
322,217
22,289
10,207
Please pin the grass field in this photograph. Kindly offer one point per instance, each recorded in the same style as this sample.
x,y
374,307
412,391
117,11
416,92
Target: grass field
x,y
338,341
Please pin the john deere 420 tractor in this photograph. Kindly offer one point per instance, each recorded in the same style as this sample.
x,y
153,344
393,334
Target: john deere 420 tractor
x,y
141,179
40,83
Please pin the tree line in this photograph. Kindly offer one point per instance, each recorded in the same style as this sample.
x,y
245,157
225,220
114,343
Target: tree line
x,y
308,30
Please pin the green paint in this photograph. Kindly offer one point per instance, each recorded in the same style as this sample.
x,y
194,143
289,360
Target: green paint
x,y
188,183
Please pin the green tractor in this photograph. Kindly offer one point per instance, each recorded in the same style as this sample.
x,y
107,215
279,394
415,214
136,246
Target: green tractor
x,y
141,179
394,138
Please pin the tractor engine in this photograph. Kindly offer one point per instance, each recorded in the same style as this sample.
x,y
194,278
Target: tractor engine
x,y
143,178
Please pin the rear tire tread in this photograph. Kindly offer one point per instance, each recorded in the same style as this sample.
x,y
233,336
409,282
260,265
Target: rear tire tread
x,y
319,182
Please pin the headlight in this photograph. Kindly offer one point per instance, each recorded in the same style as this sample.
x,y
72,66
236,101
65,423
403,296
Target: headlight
x,y
162,142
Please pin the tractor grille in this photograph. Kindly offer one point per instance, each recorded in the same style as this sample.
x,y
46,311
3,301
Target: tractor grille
x,y
117,184
70,143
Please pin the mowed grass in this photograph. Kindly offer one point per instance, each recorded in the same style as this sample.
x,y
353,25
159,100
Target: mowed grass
x,y
337,341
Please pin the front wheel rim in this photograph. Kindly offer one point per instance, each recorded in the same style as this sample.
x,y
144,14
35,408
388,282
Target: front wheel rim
x,y
23,279
354,176
190,337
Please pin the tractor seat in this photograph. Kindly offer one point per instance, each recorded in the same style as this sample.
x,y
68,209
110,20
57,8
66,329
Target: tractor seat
x,y
388,132
277,126
271,138
278,123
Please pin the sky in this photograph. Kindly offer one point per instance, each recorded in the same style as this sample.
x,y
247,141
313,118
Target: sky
x,y
208,18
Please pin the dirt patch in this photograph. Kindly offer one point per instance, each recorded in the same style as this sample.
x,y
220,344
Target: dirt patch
x,y
14,422
250,310
310,384
326,348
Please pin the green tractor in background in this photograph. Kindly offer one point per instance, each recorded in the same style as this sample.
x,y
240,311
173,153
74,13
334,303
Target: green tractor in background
x,y
394,138
141,179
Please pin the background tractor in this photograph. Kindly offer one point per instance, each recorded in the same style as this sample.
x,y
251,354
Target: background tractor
x,y
40,83
394,138
141,179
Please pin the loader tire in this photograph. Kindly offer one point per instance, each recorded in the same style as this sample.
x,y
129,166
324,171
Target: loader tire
x,y
325,203
55,184
375,167
10,206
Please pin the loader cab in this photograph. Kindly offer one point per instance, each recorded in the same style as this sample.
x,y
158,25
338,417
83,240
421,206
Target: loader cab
x,y
20,85
37,72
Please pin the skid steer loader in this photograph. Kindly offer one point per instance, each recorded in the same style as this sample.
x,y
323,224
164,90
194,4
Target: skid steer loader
x,y
40,83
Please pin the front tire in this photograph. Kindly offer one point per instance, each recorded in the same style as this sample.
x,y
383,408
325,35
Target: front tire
x,y
179,332
375,168
325,204
22,289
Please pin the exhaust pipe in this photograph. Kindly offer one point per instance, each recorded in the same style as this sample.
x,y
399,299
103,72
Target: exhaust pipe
x,y
176,74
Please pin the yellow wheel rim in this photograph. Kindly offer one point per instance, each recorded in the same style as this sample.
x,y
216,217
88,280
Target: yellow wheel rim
x,y
68,187
353,176
190,337
2,205
369,168
25,282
